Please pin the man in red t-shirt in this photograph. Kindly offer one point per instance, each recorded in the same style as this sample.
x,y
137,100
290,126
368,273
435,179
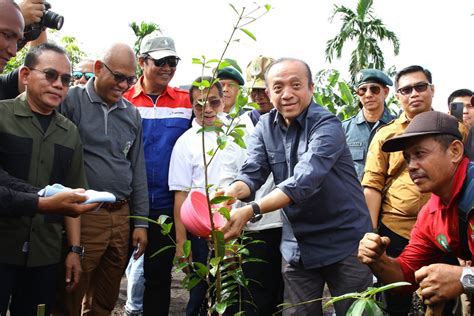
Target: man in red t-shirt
x,y
434,152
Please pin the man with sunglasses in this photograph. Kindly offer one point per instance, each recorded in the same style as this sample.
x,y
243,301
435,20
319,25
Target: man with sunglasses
x,y
372,89
112,137
18,198
84,71
187,171
41,147
392,198
166,115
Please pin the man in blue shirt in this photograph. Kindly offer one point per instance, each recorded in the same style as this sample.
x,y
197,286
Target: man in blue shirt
x,y
372,89
304,146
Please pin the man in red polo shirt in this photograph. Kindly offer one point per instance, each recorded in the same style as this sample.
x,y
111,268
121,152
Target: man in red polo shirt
x,y
434,153
166,114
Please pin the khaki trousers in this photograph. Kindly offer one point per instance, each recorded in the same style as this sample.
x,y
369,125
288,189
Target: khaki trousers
x,y
105,237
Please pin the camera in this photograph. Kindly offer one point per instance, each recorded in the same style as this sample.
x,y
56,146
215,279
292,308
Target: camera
x,y
49,19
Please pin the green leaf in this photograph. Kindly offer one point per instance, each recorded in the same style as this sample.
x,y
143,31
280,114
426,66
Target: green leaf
x,y
388,287
233,63
224,211
268,7
143,218
200,269
197,61
239,141
161,250
221,141
214,262
346,93
372,308
233,8
221,307
221,198
187,248
166,228
248,33
220,246
212,61
162,219
357,308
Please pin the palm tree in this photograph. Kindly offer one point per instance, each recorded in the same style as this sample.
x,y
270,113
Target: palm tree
x,y
363,27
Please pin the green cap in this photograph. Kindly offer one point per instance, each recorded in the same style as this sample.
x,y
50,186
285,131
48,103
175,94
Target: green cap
x,y
230,73
372,75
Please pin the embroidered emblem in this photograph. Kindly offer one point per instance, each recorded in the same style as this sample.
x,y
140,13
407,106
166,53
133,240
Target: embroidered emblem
x,y
126,149
443,242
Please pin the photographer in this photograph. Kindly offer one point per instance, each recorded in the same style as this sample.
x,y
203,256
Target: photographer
x,y
17,198
32,12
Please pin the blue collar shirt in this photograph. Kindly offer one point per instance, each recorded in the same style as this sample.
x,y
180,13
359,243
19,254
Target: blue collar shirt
x,y
312,165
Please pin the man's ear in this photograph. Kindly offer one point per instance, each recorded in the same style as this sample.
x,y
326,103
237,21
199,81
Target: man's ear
x,y
456,150
23,75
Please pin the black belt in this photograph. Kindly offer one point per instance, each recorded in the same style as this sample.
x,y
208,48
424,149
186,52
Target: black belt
x,y
114,206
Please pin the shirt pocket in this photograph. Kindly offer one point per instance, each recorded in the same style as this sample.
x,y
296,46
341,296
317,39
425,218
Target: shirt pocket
x,y
357,150
15,154
277,162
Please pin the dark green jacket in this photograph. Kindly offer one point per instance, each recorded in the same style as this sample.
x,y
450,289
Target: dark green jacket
x,y
40,158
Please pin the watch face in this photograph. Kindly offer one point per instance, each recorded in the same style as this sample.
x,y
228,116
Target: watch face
x,y
468,280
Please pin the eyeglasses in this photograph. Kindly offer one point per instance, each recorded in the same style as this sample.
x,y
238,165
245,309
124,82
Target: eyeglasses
x,y
419,87
172,61
119,78
79,74
363,90
214,103
52,75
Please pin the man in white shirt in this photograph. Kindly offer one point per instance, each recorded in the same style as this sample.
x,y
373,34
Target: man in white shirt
x,y
187,172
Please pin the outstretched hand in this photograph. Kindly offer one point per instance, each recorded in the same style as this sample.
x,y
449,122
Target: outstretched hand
x,y
66,203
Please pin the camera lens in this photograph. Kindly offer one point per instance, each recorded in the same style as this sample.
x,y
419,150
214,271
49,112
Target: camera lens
x,y
53,20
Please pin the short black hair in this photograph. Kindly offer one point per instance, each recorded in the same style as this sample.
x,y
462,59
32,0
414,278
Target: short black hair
x,y
284,59
31,59
459,93
216,84
411,69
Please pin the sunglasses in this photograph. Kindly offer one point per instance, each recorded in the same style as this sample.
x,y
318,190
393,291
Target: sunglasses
x,y
79,74
373,89
419,87
52,75
172,61
214,103
119,78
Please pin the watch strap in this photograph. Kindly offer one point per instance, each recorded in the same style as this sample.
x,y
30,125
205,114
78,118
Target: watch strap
x,y
77,249
257,214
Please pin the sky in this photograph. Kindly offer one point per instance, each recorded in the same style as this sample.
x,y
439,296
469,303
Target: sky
x,y
434,34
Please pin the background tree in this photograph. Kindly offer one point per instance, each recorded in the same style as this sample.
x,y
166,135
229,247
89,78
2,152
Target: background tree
x,y
140,32
366,30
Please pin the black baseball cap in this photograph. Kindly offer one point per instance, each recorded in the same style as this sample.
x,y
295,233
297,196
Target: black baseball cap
x,y
426,123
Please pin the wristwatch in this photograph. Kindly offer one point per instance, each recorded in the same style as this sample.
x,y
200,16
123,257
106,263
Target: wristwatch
x,y
257,215
77,249
467,280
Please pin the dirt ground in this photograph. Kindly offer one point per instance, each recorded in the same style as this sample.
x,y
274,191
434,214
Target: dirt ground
x,y
179,297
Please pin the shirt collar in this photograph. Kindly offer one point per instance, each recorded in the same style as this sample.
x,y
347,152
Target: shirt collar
x,y
385,118
458,182
95,98
138,89
22,108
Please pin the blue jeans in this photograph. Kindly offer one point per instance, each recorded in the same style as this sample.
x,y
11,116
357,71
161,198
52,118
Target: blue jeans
x,y
135,285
